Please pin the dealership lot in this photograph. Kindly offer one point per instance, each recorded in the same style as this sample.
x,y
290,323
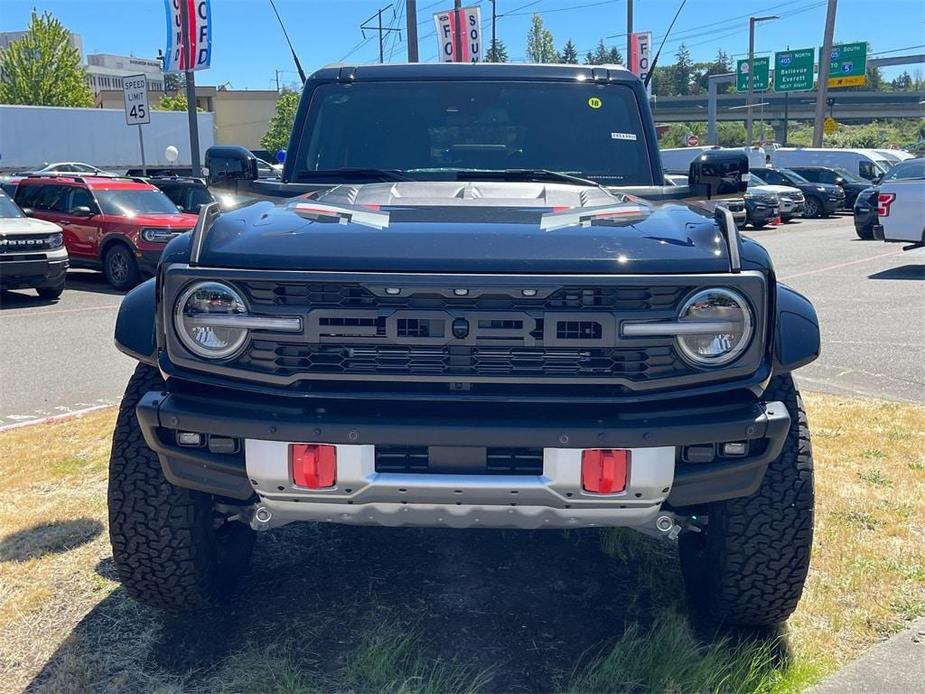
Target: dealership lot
x,y
59,357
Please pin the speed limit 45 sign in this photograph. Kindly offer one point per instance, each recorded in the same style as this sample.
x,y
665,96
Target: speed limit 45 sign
x,y
135,92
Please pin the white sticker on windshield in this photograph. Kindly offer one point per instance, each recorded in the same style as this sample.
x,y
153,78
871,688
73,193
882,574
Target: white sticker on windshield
x,y
623,136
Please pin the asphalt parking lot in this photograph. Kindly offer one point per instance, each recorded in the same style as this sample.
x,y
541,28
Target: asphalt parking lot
x,y
59,357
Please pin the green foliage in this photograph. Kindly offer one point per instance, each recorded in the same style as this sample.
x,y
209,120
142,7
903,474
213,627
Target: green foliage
x,y
497,53
682,71
879,134
540,45
569,55
602,55
172,103
42,68
277,135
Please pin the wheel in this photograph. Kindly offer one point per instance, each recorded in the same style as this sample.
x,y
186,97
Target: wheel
x,y
171,549
120,267
50,293
813,207
865,233
757,225
748,565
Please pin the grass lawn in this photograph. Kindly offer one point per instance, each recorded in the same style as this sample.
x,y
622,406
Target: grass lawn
x,y
335,608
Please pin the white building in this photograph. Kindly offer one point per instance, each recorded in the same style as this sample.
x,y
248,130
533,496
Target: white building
x,y
105,71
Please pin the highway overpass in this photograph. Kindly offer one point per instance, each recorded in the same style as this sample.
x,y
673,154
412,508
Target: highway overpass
x,y
847,106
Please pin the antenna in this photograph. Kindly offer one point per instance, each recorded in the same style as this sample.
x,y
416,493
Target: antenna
x,y
662,45
295,58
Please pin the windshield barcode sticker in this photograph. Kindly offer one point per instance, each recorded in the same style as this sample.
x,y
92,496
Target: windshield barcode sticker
x,y
623,136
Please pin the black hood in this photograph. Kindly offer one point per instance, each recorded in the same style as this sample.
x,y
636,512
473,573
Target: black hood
x,y
468,227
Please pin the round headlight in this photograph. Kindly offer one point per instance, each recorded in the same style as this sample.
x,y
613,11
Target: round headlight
x,y
730,333
205,338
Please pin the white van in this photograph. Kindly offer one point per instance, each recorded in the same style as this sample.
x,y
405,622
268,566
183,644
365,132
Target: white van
x,y
865,163
894,155
677,160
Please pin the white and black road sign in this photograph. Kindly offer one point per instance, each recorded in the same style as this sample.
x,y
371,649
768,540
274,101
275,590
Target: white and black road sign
x,y
135,93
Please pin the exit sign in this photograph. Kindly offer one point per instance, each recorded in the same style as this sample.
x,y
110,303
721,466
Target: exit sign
x,y
759,79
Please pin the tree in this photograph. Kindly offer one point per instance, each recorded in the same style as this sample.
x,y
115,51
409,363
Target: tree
x,y
175,82
277,135
569,54
171,103
498,52
42,68
614,56
601,55
540,45
683,71
720,66
902,83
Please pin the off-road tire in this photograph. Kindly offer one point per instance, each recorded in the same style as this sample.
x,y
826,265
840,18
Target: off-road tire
x,y
865,234
120,267
165,543
748,566
50,293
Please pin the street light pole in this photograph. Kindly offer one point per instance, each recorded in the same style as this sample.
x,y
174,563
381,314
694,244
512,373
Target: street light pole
x,y
192,118
411,14
629,32
752,21
457,6
494,18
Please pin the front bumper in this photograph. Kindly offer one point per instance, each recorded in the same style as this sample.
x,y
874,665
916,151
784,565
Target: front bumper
x,y
256,471
16,273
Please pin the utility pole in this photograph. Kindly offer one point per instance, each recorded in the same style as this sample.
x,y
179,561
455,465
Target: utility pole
x,y
825,60
752,21
190,92
379,28
494,18
411,24
629,31
457,6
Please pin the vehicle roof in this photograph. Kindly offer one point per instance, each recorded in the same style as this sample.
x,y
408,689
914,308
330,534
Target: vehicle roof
x,y
498,71
92,182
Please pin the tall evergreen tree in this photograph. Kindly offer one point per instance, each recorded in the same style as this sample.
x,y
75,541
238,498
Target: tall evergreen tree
x,y
42,68
569,54
540,45
497,53
683,71
602,55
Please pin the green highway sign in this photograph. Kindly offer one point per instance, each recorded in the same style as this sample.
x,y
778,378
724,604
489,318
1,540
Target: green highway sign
x,y
849,64
759,79
793,70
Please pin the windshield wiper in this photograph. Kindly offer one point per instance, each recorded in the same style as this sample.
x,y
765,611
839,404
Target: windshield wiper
x,y
524,175
350,174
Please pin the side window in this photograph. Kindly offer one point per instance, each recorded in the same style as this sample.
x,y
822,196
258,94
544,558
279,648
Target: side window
x,y
866,170
810,174
198,196
52,198
825,177
80,197
27,195
774,178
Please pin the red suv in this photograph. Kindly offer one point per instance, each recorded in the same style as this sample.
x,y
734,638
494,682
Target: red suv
x,y
117,225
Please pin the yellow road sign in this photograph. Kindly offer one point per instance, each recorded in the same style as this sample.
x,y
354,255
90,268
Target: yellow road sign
x,y
850,81
829,126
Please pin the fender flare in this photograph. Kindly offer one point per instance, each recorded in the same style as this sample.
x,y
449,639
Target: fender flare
x,y
135,333
796,331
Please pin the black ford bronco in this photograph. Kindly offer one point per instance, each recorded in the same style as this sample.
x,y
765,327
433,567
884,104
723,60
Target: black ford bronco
x,y
469,302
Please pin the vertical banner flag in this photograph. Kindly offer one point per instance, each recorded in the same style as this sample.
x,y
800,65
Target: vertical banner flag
x,y
198,54
641,56
470,23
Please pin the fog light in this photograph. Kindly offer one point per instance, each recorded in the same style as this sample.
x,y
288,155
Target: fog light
x,y
528,292
461,292
735,449
603,471
312,465
392,291
191,439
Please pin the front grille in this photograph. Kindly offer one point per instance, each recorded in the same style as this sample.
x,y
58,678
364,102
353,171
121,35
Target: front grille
x,y
498,461
24,243
287,359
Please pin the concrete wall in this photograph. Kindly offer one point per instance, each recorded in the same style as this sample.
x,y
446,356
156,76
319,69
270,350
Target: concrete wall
x,y
31,136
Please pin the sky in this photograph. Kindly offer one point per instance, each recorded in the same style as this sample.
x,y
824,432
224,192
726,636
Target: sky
x,y
248,47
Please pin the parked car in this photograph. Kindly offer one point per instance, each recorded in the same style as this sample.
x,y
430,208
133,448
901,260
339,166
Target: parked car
x,y
865,163
790,199
894,156
117,225
820,199
190,194
761,207
735,205
865,207
32,252
851,184
901,212
77,167
468,335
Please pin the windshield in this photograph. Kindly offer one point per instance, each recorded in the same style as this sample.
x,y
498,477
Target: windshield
x,y
754,180
128,203
885,164
793,176
849,177
431,130
8,208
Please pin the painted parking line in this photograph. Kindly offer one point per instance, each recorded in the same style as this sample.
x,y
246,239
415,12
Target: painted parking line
x,y
14,313
819,270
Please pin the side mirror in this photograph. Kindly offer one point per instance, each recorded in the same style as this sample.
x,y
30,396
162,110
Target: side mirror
x,y
227,164
82,211
877,180
27,211
721,173
180,208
